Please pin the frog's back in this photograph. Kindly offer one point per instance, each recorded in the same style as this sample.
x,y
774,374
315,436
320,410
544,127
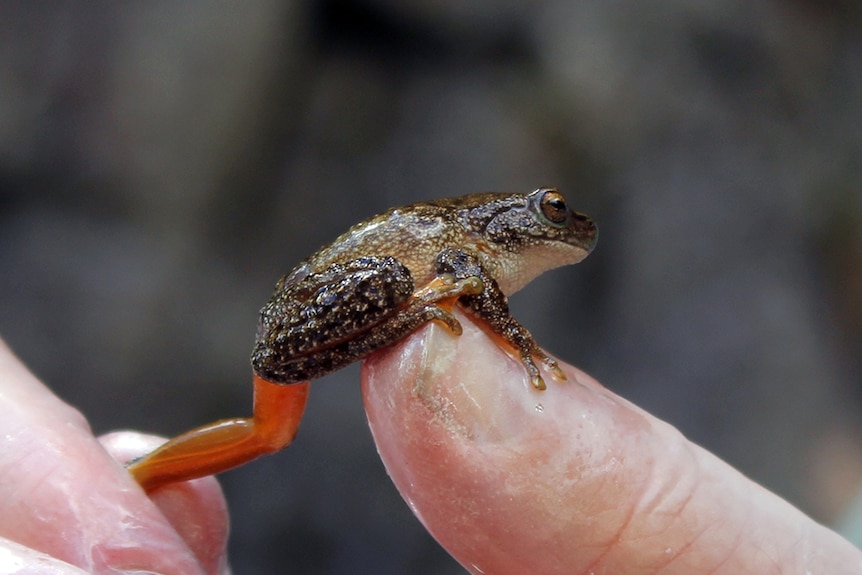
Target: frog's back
x,y
413,234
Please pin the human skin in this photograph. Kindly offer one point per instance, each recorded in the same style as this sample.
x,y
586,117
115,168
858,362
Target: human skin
x,y
509,479
571,480
68,507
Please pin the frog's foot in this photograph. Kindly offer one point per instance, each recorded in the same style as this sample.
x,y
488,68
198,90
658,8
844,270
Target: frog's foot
x,y
446,287
437,299
529,356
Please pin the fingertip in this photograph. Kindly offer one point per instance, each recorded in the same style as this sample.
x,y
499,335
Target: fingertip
x,y
196,509
127,445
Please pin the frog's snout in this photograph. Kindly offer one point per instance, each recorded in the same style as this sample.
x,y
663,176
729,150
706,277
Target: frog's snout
x,y
585,231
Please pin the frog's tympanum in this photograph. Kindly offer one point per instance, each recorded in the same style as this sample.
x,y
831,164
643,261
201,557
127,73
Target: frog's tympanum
x,y
377,283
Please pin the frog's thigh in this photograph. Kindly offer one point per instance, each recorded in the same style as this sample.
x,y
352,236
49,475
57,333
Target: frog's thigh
x,y
392,329
362,296
304,324
432,302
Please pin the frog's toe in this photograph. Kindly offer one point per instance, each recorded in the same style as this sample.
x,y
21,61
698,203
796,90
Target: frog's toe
x,y
533,371
556,370
538,382
437,313
472,285
552,365
445,286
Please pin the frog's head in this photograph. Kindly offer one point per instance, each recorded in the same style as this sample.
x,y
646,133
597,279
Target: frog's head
x,y
532,233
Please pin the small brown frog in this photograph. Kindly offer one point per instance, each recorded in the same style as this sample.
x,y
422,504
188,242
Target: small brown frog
x,y
375,284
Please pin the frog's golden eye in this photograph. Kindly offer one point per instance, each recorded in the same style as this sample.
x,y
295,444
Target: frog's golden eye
x,y
553,206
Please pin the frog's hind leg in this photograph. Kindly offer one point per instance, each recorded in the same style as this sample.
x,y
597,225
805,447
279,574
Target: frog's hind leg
x,y
432,302
227,443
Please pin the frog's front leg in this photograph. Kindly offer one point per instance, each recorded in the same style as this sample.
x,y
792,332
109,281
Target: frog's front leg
x,y
492,307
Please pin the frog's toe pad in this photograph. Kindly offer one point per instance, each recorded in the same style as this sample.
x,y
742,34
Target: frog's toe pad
x,y
556,370
538,382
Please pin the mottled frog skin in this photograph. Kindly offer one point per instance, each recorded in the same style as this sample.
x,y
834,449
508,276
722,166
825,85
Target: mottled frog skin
x,y
391,274
377,283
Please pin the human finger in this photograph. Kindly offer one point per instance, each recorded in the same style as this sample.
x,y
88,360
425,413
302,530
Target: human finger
x,y
62,495
573,479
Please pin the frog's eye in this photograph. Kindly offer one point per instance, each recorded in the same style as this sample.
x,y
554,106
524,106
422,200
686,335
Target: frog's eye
x,y
553,207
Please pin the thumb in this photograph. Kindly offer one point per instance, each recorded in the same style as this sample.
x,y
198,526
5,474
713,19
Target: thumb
x,y
573,479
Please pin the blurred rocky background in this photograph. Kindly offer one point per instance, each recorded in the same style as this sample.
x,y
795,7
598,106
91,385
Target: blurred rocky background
x,y
163,163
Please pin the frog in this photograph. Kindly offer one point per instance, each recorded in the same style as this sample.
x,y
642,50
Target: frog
x,y
381,280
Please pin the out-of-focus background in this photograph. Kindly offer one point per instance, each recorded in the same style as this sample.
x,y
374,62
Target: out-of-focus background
x,y
163,163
